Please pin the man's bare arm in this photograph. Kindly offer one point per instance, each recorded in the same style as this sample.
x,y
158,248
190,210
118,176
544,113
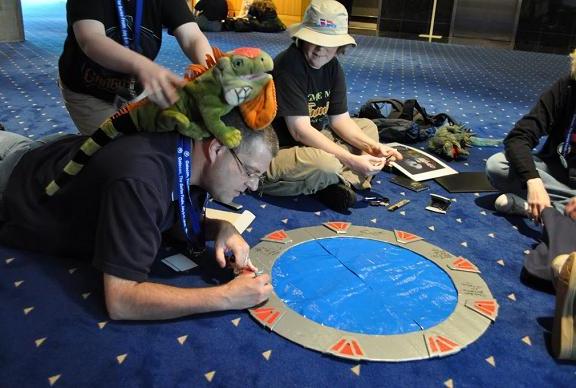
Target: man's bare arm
x,y
130,300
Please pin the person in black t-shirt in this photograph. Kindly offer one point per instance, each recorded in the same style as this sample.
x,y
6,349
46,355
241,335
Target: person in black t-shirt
x,y
115,212
531,183
323,150
103,64
210,14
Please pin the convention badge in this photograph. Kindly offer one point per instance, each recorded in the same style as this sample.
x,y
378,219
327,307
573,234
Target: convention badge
x,y
132,88
179,263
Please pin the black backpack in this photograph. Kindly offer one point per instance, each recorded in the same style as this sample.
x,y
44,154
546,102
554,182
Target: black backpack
x,y
407,122
238,24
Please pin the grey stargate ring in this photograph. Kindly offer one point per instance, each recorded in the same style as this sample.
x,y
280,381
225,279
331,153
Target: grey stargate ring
x,y
475,309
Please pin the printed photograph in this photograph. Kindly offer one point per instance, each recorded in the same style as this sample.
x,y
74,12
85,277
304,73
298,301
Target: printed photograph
x,y
419,165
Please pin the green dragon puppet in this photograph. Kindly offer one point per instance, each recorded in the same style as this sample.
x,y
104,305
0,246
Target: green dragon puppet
x,y
451,141
238,78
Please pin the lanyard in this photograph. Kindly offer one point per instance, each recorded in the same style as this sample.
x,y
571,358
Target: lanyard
x,y
189,214
565,148
124,25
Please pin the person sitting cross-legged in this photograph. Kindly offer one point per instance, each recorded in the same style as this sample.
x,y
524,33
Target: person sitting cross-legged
x,y
323,150
532,182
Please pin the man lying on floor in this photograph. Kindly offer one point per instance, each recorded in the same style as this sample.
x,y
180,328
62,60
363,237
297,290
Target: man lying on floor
x,y
116,210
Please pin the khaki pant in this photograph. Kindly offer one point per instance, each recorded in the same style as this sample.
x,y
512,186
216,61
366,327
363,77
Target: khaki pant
x,y
306,170
86,111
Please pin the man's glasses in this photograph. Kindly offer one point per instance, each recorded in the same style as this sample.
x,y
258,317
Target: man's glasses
x,y
250,175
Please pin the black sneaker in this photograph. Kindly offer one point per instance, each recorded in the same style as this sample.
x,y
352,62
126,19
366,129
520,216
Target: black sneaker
x,y
2,127
338,197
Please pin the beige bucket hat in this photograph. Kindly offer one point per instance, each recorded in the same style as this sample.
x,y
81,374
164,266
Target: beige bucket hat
x,y
325,23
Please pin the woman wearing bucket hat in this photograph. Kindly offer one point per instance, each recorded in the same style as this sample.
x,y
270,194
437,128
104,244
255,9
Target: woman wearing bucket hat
x,y
324,151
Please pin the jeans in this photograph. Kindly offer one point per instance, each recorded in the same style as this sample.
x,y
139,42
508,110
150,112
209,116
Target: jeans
x,y
506,180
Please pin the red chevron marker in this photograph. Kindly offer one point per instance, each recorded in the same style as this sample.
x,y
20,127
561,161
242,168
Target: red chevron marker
x,y
267,315
439,345
279,236
406,237
462,264
349,348
338,226
486,307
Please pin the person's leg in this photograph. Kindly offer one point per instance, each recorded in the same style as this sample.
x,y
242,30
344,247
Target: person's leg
x,y
359,182
504,179
564,329
214,26
12,148
301,170
86,111
559,192
202,21
208,25
308,170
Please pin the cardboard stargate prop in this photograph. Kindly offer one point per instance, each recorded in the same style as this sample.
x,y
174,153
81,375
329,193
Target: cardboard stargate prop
x,y
364,293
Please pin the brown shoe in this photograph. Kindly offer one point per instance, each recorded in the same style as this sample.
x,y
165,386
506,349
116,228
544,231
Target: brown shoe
x,y
563,340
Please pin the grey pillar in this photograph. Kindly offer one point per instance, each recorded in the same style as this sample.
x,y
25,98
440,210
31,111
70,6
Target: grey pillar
x,y
11,26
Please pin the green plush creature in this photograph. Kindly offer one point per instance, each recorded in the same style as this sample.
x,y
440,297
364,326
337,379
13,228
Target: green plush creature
x,y
239,78
451,141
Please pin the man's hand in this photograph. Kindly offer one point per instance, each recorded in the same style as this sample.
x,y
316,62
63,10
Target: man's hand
x,y
538,198
391,154
570,209
365,164
373,159
229,240
247,290
160,84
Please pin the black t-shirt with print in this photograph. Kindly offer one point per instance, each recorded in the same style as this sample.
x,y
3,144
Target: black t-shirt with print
x,y
304,91
82,75
112,213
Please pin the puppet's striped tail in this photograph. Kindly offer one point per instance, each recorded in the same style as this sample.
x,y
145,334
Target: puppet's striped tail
x,y
104,135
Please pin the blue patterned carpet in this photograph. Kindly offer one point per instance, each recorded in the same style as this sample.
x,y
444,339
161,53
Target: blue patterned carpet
x,y
54,328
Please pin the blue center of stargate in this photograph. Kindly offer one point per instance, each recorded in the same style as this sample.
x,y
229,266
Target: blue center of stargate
x,y
363,286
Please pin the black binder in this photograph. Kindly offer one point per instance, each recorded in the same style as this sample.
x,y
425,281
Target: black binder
x,y
466,182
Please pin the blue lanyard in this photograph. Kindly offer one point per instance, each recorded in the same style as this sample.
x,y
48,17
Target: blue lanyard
x,y
565,148
124,25
568,140
189,216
